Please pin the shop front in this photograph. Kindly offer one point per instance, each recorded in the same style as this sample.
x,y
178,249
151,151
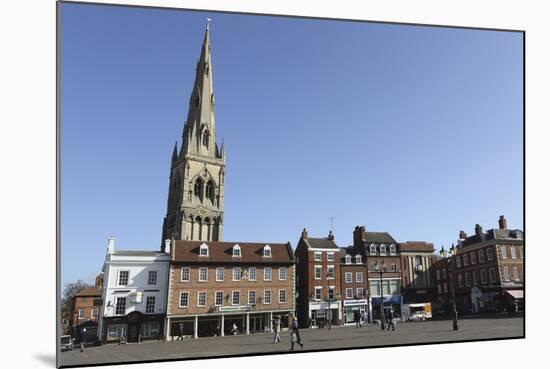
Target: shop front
x,y
133,327
353,309
320,313
230,320
391,303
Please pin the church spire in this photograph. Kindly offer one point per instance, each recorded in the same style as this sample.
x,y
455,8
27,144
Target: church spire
x,y
199,134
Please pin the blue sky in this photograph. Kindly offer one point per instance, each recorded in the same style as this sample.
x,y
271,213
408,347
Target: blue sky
x,y
416,131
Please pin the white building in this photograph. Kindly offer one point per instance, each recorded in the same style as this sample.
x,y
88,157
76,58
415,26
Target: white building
x,y
134,294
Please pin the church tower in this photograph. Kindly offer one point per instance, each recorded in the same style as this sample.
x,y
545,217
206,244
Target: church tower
x,y
197,171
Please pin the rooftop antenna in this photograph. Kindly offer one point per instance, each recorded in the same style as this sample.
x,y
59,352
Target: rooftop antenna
x,y
332,223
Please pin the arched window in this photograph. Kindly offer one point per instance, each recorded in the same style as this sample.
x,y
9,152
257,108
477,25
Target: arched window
x,y
199,185
210,191
267,251
203,250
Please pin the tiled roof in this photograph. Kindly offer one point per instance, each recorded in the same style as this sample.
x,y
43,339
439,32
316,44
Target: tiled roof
x,y
137,253
222,252
379,237
493,234
90,291
321,243
416,246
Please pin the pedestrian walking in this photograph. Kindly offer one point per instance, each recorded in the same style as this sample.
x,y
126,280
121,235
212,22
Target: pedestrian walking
x,y
235,329
357,318
277,329
296,331
391,317
82,339
180,334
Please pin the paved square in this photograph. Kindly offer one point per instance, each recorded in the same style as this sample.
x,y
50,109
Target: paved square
x,y
314,339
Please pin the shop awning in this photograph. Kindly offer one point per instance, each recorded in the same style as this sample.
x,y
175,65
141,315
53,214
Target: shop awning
x,y
517,294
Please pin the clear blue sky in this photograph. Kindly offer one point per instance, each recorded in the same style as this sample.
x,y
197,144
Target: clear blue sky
x,y
416,131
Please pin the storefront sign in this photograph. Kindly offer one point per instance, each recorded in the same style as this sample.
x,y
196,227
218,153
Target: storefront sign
x,y
388,300
234,308
323,305
355,302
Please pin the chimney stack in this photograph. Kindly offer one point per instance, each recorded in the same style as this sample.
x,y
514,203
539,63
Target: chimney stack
x,y
304,234
111,245
359,235
479,230
502,222
330,236
166,248
462,235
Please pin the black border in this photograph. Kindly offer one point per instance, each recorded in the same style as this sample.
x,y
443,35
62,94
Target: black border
x,y
58,179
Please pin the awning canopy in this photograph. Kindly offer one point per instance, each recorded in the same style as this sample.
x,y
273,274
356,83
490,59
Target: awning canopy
x,y
517,294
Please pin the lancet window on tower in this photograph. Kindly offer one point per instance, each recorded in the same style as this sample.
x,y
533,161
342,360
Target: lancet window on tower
x,y
205,138
210,191
199,188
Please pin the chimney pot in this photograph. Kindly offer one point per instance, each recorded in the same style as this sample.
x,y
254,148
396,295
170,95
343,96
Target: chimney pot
x,y
462,235
111,245
502,222
166,247
304,234
330,236
479,230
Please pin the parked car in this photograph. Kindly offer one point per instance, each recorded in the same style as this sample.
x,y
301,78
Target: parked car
x,y
66,343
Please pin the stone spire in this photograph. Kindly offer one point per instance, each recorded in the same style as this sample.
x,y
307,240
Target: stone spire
x,y
199,133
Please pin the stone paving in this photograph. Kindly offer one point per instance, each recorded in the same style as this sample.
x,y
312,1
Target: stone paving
x,y
314,339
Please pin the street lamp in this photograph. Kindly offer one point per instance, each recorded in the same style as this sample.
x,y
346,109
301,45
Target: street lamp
x,y
381,268
328,314
449,258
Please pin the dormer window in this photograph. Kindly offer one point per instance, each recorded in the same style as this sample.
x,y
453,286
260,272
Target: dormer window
x,y
237,251
358,259
203,250
392,249
267,251
382,249
348,259
373,249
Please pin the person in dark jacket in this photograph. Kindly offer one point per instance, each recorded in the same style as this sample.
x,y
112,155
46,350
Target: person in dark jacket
x,y
391,317
82,339
296,331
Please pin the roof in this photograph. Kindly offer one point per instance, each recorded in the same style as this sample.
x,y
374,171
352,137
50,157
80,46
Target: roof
x,y
89,291
379,237
321,243
416,246
222,252
494,234
137,253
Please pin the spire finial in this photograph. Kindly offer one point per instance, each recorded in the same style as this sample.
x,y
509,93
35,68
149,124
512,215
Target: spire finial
x,y
208,20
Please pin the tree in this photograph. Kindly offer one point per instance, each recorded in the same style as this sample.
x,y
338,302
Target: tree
x,y
67,302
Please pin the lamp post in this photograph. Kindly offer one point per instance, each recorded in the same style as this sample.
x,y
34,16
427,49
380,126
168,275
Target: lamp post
x,y
449,258
328,314
381,268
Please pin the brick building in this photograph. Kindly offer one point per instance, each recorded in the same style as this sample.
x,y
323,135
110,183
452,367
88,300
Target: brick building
x,y
354,285
318,281
489,269
380,249
86,305
215,285
443,284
